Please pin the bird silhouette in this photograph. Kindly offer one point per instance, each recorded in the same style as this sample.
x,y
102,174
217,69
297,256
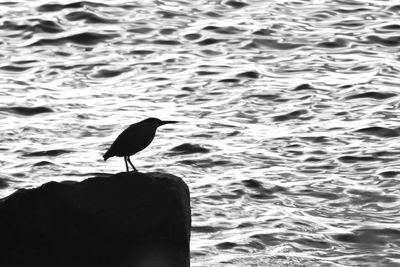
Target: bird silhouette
x,y
134,139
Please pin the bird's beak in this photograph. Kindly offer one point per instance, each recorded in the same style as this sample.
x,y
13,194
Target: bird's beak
x,y
167,122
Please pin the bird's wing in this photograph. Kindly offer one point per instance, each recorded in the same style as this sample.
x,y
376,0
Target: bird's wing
x,y
130,141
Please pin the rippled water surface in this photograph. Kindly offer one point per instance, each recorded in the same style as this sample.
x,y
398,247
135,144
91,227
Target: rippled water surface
x,y
289,116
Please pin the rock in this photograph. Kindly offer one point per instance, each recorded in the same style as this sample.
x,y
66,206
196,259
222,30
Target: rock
x,y
125,220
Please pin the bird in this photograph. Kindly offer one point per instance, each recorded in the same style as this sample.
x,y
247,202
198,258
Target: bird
x,y
134,139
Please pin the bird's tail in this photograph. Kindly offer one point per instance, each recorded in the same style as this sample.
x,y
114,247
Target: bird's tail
x,y
107,155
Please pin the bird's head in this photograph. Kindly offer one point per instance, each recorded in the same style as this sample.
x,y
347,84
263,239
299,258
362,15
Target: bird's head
x,y
156,122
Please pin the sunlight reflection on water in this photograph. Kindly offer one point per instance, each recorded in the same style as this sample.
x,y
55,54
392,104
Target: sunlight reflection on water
x,y
289,129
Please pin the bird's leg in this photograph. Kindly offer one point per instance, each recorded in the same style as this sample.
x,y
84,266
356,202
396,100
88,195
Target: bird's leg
x,y
129,160
126,164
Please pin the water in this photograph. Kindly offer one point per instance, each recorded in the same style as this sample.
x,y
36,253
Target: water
x,y
289,111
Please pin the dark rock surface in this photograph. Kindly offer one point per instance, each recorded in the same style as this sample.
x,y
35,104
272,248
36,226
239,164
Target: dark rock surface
x,y
125,220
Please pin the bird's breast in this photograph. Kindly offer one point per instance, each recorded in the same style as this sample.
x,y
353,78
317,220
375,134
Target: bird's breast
x,y
138,140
